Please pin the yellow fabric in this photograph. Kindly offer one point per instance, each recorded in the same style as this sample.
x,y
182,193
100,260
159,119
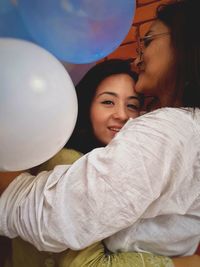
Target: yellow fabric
x,y
94,256
26,255
65,156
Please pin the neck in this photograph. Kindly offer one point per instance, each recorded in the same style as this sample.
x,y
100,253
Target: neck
x,y
170,99
170,103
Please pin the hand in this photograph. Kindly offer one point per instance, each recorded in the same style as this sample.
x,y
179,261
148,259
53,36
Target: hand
x,y
6,178
187,261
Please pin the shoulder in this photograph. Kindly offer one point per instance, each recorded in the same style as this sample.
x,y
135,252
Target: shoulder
x,y
167,118
163,126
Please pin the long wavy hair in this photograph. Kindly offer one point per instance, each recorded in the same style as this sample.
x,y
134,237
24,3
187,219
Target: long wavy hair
x,y
183,19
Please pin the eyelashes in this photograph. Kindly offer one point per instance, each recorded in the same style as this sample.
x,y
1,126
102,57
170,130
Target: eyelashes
x,y
147,42
129,106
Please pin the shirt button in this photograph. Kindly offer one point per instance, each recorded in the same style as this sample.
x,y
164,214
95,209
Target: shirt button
x,y
49,262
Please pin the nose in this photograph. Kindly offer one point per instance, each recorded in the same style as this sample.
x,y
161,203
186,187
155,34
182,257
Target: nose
x,y
121,114
138,62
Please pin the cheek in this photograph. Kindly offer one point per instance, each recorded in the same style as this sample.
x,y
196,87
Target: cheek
x,y
134,114
94,117
159,61
97,118
99,125
155,72
145,83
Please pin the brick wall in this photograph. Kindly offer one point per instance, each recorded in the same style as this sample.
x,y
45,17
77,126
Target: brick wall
x,y
144,15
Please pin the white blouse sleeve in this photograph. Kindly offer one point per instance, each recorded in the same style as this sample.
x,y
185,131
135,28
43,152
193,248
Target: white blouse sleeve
x,y
106,190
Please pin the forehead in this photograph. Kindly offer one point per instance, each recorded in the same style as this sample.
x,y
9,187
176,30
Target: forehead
x,y
118,79
116,82
158,27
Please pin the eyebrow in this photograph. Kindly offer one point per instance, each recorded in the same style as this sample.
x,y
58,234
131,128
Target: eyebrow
x,y
115,95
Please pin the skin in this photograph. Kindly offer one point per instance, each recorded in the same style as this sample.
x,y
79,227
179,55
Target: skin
x,y
188,261
6,178
157,67
114,103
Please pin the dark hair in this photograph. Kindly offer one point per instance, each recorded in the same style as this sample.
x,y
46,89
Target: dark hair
x,y
183,19
83,138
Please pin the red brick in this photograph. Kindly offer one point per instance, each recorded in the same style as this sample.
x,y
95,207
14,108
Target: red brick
x,y
143,2
131,36
145,13
125,52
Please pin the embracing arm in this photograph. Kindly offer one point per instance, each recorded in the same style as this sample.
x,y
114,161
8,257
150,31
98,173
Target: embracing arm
x,y
102,193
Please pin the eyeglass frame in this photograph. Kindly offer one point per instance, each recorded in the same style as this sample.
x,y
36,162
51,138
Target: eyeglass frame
x,y
139,49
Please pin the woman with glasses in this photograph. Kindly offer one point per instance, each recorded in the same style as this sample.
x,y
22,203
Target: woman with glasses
x,y
140,192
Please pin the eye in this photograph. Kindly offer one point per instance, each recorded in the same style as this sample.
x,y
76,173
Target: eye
x,y
147,41
133,107
107,102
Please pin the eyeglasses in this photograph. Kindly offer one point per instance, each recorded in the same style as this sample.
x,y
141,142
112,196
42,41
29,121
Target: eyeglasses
x,y
145,41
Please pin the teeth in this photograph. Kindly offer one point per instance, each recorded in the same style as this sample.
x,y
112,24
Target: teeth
x,y
115,129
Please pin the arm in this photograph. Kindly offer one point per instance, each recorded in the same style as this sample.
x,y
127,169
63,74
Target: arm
x,y
80,206
65,156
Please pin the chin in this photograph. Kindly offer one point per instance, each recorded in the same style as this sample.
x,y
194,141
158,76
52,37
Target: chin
x,y
139,87
143,87
104,142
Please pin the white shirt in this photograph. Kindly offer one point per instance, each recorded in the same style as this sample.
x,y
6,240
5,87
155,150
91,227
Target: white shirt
x,y
143,190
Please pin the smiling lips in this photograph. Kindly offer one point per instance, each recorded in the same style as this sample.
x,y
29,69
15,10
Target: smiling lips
x,y
140,66
115,129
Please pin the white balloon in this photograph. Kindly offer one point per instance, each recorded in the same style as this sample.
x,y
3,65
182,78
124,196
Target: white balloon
x,y
38,105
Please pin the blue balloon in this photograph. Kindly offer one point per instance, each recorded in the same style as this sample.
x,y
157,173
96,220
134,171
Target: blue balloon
x,y
11,24
78,31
